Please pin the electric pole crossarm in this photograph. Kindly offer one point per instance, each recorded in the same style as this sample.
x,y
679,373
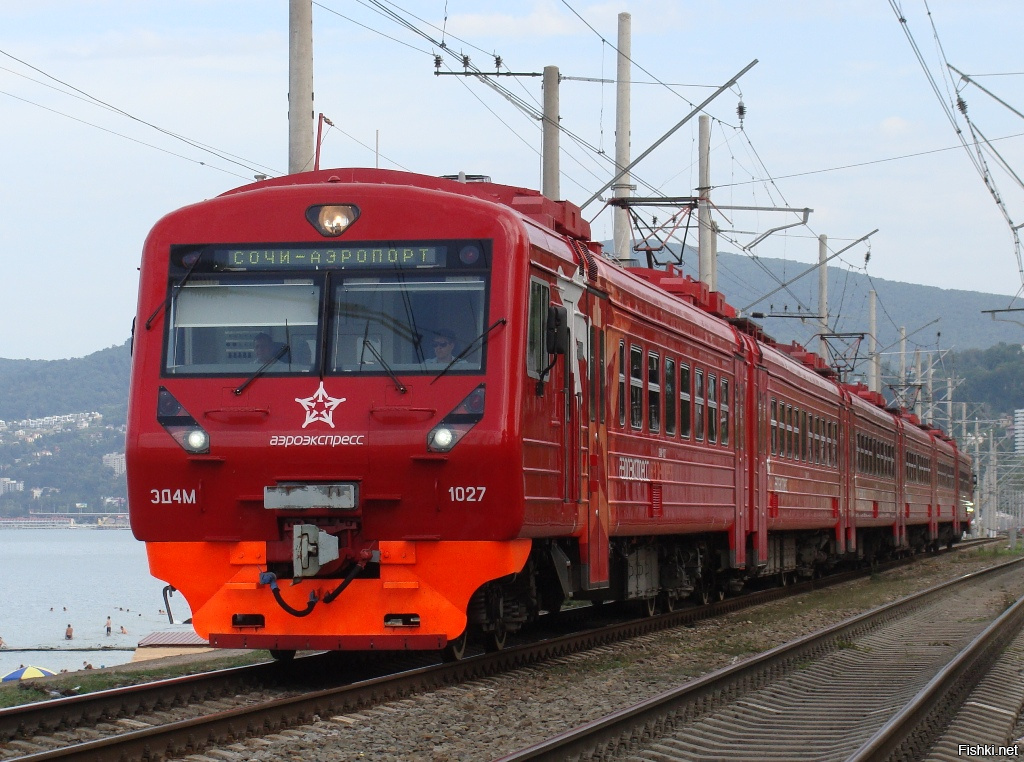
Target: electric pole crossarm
x,y
625,170
765,234
987,92
810,269
491,74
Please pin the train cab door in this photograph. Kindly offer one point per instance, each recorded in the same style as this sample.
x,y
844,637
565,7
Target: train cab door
x,y
741,459
758,437
584,445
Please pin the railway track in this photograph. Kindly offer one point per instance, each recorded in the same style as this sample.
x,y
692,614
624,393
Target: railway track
x,y
186,715
879,686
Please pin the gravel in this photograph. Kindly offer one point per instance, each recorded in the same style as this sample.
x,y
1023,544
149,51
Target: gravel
x,y
488,718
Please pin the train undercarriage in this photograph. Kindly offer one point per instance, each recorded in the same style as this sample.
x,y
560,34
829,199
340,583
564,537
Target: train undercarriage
x,y
665,572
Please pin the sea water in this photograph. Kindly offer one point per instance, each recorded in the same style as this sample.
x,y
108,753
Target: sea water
x,y
50,578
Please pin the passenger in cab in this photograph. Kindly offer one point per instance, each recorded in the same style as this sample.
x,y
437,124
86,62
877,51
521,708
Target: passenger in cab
x,y
265,348
444,347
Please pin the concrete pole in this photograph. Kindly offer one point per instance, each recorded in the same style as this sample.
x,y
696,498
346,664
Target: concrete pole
x,y
949,407
551,186
621,232
903,364
992,509
300,86
823,294
930,398
705,232
874,361
978,532
919,403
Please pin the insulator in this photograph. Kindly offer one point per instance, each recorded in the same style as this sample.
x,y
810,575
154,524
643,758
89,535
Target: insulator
x,y
465,62
437,62
497,63
741,110
961,105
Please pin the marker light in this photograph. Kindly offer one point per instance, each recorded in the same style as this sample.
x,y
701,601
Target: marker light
x,y
183,428
331,220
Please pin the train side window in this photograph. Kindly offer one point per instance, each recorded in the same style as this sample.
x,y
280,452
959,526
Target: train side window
x,y
636,387
775,426
653,392
712,409
812,438
805,439
833,449
698,395
602,360
724,412
622,384
817,441
685,410
670,396
536,340
789,431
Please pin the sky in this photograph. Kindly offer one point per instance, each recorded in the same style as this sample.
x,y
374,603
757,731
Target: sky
x,y
841,117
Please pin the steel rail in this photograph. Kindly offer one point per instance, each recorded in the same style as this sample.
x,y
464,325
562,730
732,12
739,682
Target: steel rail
x,y
914,728
648,719
21,721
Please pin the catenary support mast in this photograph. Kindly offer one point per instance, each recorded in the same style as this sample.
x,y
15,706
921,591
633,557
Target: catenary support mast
x,y
551,181
620,215
300,86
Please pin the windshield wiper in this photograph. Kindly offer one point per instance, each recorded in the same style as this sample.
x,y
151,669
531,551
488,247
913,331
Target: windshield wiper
x,y
373,350
177,287
469,347
263,368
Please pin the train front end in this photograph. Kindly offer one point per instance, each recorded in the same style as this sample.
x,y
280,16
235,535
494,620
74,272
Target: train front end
x,y
319,434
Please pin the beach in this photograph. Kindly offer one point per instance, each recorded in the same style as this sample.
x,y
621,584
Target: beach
x,y
78,577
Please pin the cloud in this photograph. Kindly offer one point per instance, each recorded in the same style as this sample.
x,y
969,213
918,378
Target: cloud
x,y
895,126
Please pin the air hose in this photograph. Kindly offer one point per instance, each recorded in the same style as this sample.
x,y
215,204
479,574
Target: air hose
x,y
269,578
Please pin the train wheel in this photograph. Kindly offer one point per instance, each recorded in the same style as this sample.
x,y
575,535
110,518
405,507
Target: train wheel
x,y
456,649
497,639
282,655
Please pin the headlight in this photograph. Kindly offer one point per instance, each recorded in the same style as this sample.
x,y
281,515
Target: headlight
x,y
441,439
331,220
458,422
197,440
183,428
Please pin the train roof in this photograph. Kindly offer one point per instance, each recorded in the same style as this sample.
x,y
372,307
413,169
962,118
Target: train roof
x,y
698,304
562,217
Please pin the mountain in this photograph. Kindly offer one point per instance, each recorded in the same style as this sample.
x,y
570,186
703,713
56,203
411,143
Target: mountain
x,y
791,312
39,388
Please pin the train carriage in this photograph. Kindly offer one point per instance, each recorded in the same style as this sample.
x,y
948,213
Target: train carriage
x,y
378,410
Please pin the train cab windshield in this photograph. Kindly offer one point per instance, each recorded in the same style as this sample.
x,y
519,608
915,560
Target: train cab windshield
x,y
277,312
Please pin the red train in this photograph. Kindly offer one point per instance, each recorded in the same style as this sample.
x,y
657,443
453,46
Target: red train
x,y
378,410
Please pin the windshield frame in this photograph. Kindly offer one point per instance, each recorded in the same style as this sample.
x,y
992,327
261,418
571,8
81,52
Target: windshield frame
x,y
326,280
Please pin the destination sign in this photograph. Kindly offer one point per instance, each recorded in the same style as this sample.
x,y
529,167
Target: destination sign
x,y
306,257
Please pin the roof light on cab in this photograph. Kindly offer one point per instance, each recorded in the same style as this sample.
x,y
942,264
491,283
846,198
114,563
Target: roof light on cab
x,y
331,220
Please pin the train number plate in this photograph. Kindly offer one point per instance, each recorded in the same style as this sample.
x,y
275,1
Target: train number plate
x,y
340,496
